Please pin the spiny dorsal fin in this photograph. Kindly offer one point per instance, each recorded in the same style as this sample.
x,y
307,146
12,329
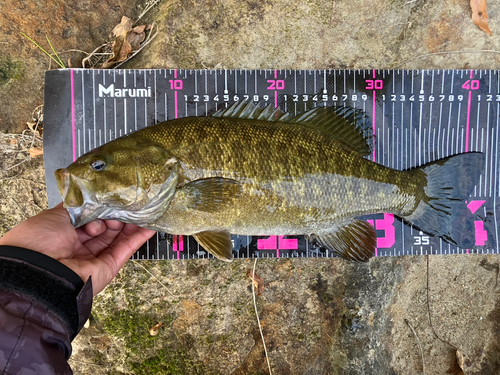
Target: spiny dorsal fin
x,y
355,240
252,111
344,124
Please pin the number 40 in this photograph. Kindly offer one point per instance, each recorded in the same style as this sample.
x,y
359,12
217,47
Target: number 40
x,y
471,84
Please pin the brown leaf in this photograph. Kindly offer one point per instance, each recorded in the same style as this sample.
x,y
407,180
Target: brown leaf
x,y
139,29
154,331
13,142
136,37
123,27
258,283
457,367
479,15
36,151
127,39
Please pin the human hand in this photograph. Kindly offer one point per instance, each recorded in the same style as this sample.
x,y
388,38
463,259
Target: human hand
x,y
98,249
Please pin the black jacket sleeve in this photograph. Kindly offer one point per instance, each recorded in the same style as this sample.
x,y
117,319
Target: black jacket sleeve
x,y
43,306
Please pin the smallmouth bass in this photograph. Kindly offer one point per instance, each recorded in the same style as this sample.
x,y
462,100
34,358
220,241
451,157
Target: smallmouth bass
x,y
257,171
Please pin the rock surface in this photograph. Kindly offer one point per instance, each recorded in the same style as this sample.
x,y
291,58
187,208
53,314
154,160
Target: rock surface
x,y
390,316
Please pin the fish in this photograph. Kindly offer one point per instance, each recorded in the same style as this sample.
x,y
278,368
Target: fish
x,y
253,170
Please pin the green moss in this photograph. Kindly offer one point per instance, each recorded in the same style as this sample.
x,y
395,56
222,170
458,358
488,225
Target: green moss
x,y
10,69
98,357
240,307
168,362
132,327
146,354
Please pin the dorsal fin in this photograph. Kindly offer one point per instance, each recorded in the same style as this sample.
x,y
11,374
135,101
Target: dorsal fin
x,y
344,124
253,111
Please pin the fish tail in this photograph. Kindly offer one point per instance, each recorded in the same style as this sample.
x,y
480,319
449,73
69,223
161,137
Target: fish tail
x,y
442,211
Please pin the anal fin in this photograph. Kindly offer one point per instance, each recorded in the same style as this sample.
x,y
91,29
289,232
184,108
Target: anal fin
x,y
354,240
216,243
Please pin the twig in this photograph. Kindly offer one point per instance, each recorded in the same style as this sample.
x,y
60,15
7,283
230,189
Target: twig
x,y
85,363
38,119
94,52
257,315
429,310
15,165
445,53
145,269
11,177
419,345
148,8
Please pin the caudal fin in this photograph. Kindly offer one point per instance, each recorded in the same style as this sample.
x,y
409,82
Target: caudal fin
x,y
442,211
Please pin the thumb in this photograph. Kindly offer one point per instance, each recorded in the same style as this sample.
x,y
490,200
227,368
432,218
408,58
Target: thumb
x,y
112,260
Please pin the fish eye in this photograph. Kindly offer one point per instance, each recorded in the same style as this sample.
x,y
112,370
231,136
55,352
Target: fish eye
x,y
98,165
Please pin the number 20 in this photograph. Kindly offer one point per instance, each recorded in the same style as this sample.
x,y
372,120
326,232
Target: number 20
x,y
276,85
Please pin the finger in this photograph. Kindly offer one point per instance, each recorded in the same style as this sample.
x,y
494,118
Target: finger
x,y
115,224
114,234
105,239
91,230
123,250
105,267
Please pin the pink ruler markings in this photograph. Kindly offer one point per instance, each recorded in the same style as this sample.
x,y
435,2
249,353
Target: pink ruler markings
x,y
73,114
279,242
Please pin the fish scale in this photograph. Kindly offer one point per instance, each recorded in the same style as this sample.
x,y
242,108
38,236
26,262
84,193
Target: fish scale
x,y
415,116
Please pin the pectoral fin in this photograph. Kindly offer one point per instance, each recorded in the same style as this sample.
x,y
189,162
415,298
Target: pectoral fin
x,y
210,194
354,240
216,243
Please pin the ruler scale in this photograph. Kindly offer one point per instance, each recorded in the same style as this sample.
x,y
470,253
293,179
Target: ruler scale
x,y
417,117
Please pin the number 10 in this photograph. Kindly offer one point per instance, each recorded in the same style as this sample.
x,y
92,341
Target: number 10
x,y
175,84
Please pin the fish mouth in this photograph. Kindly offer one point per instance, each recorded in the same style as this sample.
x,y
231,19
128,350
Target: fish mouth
x,y
82,206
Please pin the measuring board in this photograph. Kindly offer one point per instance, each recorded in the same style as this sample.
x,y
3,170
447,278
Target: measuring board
x,y
417,117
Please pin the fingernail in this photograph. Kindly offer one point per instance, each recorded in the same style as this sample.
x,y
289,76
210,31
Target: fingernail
x,y
98,224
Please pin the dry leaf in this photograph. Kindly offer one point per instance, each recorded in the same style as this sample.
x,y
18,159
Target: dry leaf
x,y
154,331
258,283
36,151
479,15
136,37
13,142
127,39
457,367
123,27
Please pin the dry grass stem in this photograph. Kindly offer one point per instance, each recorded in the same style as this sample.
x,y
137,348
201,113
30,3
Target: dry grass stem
x,y
159,282
85,363
94,53
19,145
430,313
419,344
148,8
258,320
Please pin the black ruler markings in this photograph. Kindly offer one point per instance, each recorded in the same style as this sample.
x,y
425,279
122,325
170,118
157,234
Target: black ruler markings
x,y
417,117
